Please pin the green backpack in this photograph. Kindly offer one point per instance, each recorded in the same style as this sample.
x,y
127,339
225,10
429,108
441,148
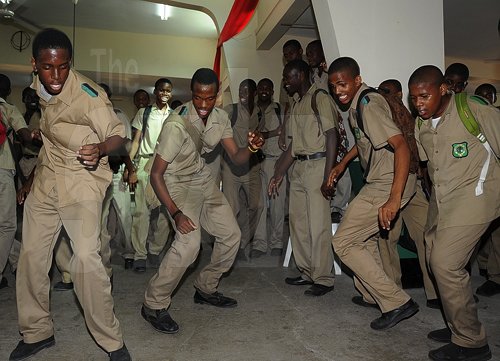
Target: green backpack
x,y
466,116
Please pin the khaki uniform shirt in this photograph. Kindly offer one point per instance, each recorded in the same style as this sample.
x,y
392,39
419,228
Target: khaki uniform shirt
x,y
176,146
379,126
321,81
284,97
155,123
308,137
245,122
75,117
12,118
456,158
271,122
31,149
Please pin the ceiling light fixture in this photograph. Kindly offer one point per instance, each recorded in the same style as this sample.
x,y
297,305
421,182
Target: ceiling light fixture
x,y
6,13
164,11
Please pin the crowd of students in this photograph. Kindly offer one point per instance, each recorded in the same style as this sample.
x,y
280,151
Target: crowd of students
x,y
430,171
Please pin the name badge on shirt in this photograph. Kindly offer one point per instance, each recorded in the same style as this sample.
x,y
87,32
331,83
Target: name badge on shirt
x,y
460,150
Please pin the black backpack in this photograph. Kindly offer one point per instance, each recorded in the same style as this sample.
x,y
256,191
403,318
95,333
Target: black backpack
x,y
401,117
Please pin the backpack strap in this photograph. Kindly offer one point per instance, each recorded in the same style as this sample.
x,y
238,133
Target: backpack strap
x,y
234,115
277,110
145,117
260,123
314,106
3,130
362,99
472,126
467,117
192,131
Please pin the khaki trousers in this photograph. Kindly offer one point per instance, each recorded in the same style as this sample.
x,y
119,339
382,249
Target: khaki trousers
x,y
414,215
342,193
488,257
356,243
42,223
141,218
8,220
243,194
200,199
63,254
276,207
118,197
310,222
448,252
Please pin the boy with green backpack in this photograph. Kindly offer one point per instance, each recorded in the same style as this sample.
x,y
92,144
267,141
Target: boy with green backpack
x,y
465,174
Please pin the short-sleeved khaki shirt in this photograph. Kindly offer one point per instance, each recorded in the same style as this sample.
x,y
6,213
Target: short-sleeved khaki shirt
x,y
308,137
455,159
77,116
154,125
176,146
379,127
271,122
31,149
12,118
245,122
321,81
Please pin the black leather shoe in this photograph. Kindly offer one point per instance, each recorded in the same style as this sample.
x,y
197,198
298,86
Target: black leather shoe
x,y
488,289
441,335
140,265
4,283
160,320
318,290
120,355
241,256
434,303
129,263
256,253
215,299
452,352
392,318
25,350
276,252
63,286
298,281
358,300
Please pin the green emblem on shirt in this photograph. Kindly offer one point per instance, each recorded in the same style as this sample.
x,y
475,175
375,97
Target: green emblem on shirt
x,y
89,90
460,150
357,133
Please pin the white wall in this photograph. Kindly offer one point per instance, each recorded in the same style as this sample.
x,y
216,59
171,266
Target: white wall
x,y
244,61
388,38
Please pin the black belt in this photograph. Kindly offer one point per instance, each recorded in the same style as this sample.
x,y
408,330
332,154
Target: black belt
x,y
29,156
318,155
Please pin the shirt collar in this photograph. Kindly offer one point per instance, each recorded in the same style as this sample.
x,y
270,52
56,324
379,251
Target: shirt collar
x,y
66,93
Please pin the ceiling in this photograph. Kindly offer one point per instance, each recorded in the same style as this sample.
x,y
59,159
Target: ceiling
x,y
471,28
116,15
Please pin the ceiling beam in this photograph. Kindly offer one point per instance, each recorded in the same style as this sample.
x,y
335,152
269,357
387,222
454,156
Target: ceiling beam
x,y
279,21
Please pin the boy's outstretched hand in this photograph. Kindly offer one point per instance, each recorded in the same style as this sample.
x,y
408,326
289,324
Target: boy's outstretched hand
x,y
255,140
335,173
